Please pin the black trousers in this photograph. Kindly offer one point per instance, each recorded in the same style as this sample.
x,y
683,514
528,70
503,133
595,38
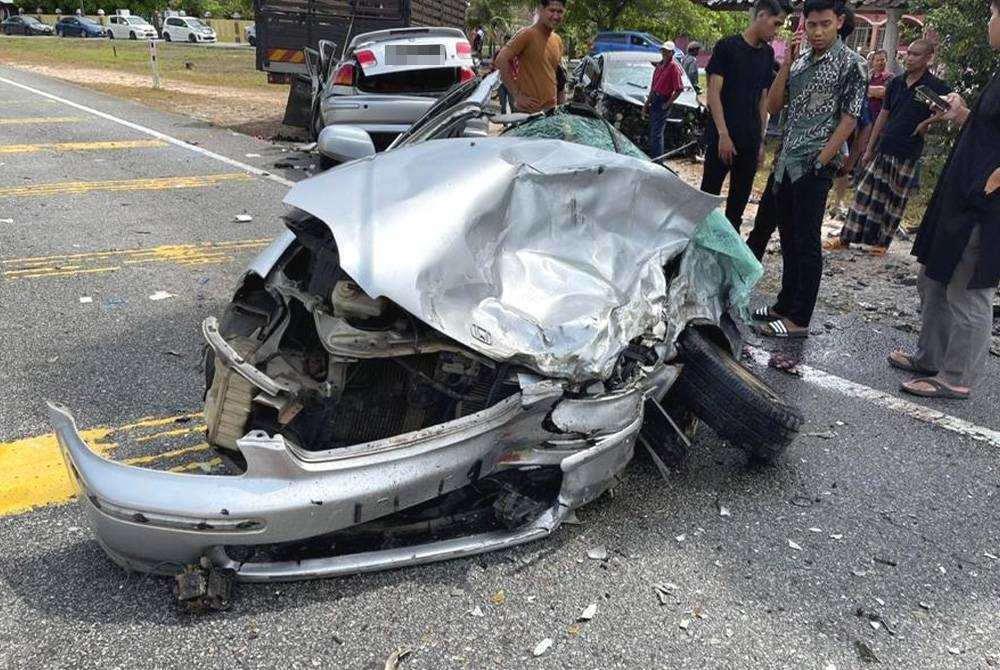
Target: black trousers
x,y
799,206
765,223
741,174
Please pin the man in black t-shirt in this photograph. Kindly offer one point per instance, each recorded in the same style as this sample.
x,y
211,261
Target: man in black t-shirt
x,y
893,151
739,75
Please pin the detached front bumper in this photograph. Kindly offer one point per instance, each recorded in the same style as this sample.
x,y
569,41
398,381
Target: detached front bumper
x,y
155,521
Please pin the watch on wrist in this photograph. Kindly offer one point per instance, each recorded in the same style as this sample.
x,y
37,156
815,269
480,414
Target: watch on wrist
x,y
818,165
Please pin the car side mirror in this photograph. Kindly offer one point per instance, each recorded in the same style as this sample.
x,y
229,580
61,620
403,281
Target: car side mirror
x,y
345,143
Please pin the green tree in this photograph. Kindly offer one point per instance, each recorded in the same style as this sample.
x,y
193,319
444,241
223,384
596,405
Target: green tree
x,y
964,51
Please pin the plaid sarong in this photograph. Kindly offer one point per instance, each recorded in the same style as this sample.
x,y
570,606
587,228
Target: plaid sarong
x,y
880,200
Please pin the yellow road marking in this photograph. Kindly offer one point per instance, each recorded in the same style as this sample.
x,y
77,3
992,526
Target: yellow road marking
x,y
80,146
28,120
111,261
32,473
155,184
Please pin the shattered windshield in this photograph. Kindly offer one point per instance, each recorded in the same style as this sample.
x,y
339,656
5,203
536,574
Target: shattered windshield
x,y
579,129
634,76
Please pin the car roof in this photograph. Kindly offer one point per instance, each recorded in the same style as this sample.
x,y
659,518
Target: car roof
x,y
628,56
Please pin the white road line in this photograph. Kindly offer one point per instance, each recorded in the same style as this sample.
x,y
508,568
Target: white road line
x,y
913,410
155,133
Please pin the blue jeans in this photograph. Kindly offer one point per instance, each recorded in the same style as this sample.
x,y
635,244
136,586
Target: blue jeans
x,y
657,121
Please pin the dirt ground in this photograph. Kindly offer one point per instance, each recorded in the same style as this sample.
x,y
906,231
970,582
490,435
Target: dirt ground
x,y
253,112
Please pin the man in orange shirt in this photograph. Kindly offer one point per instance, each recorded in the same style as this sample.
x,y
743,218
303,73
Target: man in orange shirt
x,y
538,50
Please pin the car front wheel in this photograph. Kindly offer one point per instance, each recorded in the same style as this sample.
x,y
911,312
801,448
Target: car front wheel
x,y
131,35
111,35
192,38
738,406
166,36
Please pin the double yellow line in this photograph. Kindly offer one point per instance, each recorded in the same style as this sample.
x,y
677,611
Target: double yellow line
x,y
154,184
32,473
81,146
68,265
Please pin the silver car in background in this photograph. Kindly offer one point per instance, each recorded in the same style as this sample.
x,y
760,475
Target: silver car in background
x,y
387,79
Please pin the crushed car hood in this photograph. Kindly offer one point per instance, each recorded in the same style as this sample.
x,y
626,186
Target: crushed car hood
x,y
538,252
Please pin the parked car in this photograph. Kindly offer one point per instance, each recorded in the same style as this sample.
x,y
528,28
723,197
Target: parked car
x,y
435,363
130,28
387,79
251,34
616,84
24,25
79,26
187,29
629,40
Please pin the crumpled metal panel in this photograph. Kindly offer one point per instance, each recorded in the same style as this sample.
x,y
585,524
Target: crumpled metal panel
x,y
538,252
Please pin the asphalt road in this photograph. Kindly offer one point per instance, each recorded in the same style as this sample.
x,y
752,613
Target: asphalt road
x,y
874,537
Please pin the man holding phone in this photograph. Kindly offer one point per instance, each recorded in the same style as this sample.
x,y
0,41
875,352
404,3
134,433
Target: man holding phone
x,y
958,248
894,148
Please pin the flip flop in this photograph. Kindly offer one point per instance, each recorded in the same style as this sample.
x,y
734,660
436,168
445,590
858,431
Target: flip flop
x,y
908,364
940,390
764,314
779,330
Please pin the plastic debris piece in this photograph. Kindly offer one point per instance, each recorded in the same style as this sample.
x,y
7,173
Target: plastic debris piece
x,y
954,651
814,529
395,659
875,624
699,613
477,611
498,598
880,602
865,652
598,554
830,666
161,295
926,606
573,630
942,570
684,623
588,613
836,536
171,352
681,537
724,511
116,302
785,363
86,300
6,220
543,646
859,573
794,545
839,423
252,155
825,435
242,218
663,590
993,556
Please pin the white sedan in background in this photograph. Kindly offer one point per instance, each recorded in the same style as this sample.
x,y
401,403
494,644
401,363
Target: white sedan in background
x,y
130,28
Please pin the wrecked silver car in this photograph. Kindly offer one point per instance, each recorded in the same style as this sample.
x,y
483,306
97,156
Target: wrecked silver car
x,y
455,344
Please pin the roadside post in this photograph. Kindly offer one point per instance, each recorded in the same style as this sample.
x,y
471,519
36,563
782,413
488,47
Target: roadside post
x,y
154,64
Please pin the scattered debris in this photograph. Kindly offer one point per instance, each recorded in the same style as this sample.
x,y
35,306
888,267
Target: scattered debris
x,y
684,623
794,545
543,646
836,536
954,651
115,302
204,587
993,556
874,624
252,155
6,220
926,606
573,630
171,352
724,511
86,300
681,537
477,611
785,363
598,554
161,295
242,218
395,660
839,423
865,652
859,573
825,435
588,613
830,666
498,598
663,590
814,529
885,561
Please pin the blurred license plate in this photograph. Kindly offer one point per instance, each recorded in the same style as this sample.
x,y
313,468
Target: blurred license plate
x,y
414,54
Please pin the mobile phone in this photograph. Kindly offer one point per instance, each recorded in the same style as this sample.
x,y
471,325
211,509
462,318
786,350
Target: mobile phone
x,y
925,94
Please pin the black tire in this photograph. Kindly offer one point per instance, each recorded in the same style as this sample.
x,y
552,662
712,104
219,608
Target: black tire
x,y
252,41
166,36
111,35
131,35
738,406
192,39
